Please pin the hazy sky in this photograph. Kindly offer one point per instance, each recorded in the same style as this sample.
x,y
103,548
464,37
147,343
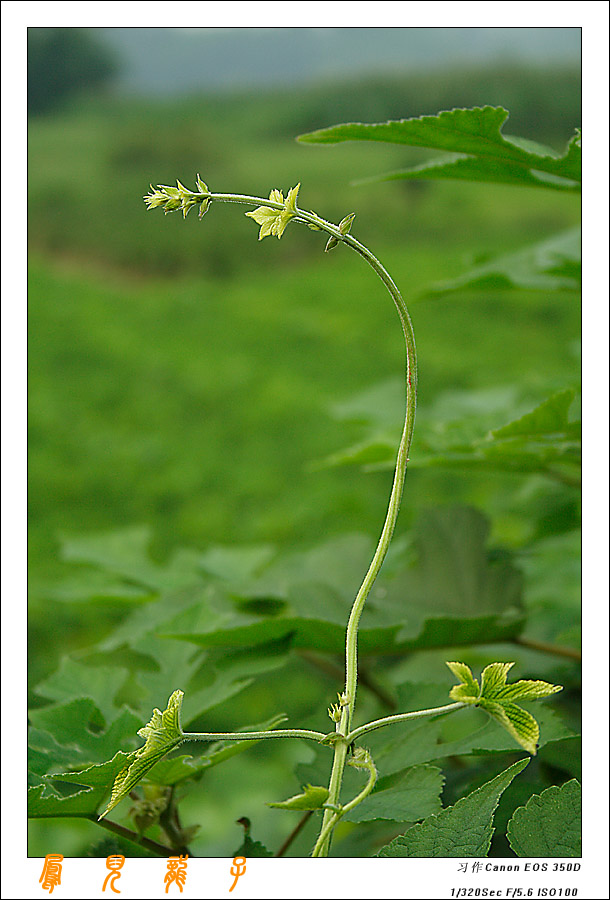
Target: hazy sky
x,y
172,60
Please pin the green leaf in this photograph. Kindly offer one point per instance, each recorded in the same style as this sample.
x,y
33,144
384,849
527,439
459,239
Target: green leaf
x,y
497,698
413,796
493,430
175,770
550,265
312,797
72,680
456,594
125,553
454,574
485,154
549,825
236,564
92,585
79,727
459,167
468,691
162,734
463,830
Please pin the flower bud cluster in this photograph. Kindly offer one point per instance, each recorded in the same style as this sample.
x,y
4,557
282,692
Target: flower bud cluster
x,y
179,197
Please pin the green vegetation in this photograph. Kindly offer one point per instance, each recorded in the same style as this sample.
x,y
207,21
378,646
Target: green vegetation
x,y
262,360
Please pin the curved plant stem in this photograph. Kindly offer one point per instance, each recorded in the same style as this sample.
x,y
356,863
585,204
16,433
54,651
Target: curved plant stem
x,y
401,717
351,642
255,735
348,700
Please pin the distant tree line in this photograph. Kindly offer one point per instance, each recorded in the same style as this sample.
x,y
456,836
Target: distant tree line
x,y
62,63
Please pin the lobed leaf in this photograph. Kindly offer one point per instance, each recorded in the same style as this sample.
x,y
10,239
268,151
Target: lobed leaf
x,y
475,135
497,698
455,594
76,728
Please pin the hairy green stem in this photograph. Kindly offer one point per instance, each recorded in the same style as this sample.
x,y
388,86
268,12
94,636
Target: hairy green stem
x,y
256,735
401,717
351,642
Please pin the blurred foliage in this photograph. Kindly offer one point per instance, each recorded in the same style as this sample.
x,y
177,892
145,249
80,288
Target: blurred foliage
x,y
63,63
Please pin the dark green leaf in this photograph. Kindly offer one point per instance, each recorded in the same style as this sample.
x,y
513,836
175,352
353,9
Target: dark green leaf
x,y
414,796
549,824
412,743
463,830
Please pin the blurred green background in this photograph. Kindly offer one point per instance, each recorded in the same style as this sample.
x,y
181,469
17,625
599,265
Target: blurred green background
x,y
180,372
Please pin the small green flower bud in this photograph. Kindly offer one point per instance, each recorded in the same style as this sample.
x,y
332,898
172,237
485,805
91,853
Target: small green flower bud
x,y
201,186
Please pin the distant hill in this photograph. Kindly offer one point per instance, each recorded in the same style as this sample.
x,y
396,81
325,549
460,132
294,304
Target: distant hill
x,y
167,61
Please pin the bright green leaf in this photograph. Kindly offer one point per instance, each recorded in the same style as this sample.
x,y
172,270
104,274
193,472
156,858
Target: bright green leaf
x,y
497,698
162,734
312,797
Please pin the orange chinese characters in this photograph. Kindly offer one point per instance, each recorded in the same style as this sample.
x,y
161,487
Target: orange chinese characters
x,y
115,864
51,871
176,872
237,869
